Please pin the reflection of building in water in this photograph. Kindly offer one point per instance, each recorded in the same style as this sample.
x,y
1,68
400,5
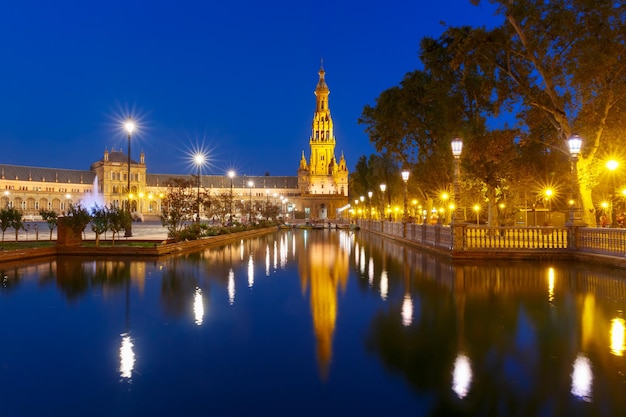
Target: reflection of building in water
x,y
324,267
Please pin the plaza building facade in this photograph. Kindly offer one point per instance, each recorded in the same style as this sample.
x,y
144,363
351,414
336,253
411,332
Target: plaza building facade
x,y
319,191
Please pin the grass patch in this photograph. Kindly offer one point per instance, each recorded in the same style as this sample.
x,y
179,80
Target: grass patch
x,y
27,244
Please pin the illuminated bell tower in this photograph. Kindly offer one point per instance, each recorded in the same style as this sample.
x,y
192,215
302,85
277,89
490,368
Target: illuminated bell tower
x,y
324,175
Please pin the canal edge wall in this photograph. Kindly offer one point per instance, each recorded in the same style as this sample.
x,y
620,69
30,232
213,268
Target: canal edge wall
x,y
159,248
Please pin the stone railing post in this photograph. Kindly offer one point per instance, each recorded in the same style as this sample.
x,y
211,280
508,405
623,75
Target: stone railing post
x,y
573,236
458,236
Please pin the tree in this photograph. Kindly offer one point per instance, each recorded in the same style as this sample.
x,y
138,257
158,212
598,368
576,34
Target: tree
x,y
10,217
546,57
416,121
99,221
177,205
118,219
51,218
77,217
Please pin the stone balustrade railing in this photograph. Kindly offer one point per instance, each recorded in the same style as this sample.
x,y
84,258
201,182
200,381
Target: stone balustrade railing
x,y
481,240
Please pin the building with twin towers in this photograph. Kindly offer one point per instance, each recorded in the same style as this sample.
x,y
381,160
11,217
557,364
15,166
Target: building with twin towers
x,y
318,192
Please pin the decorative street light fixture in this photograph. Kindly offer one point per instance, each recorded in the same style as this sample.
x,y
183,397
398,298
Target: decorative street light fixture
x,y
457,148
405,217
405,178
250,184
199,161
575,213
231,175
130,127
369,203
383,187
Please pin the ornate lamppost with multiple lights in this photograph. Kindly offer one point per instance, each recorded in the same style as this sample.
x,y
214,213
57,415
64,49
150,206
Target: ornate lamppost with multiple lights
x,y
383,187
369,201
457,148
405,218
574,144
129,125
199,161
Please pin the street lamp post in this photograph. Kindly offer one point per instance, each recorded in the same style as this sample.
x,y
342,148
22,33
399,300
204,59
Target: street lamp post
x,y
457,148
383,187
250,184
405,217
575,213
231,175
130,127
199,160
369,203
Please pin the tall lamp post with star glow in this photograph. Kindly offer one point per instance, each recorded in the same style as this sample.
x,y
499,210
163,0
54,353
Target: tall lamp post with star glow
x,y
129,125
231,175
198,159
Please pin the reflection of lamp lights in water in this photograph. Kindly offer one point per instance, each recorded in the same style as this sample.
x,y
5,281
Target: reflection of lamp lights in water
x,y
198,306
267,261
370,274
127,356
461,376
550,284
617,337
384,285
363,259
582,379
241,249
250,272
356,253
407,311
231,286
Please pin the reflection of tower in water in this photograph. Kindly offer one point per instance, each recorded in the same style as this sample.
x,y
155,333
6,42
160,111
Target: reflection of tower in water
x,y
324,267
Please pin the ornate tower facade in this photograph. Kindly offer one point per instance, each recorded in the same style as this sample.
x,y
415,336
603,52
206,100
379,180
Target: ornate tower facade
x,y
323,182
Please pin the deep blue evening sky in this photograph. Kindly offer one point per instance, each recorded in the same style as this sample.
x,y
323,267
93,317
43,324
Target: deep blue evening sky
x,y
234,77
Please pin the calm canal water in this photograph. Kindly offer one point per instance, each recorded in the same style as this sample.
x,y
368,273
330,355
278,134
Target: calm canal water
x,y
310,323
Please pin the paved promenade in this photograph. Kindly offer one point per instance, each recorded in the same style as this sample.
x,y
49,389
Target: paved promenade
x,y
41,231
